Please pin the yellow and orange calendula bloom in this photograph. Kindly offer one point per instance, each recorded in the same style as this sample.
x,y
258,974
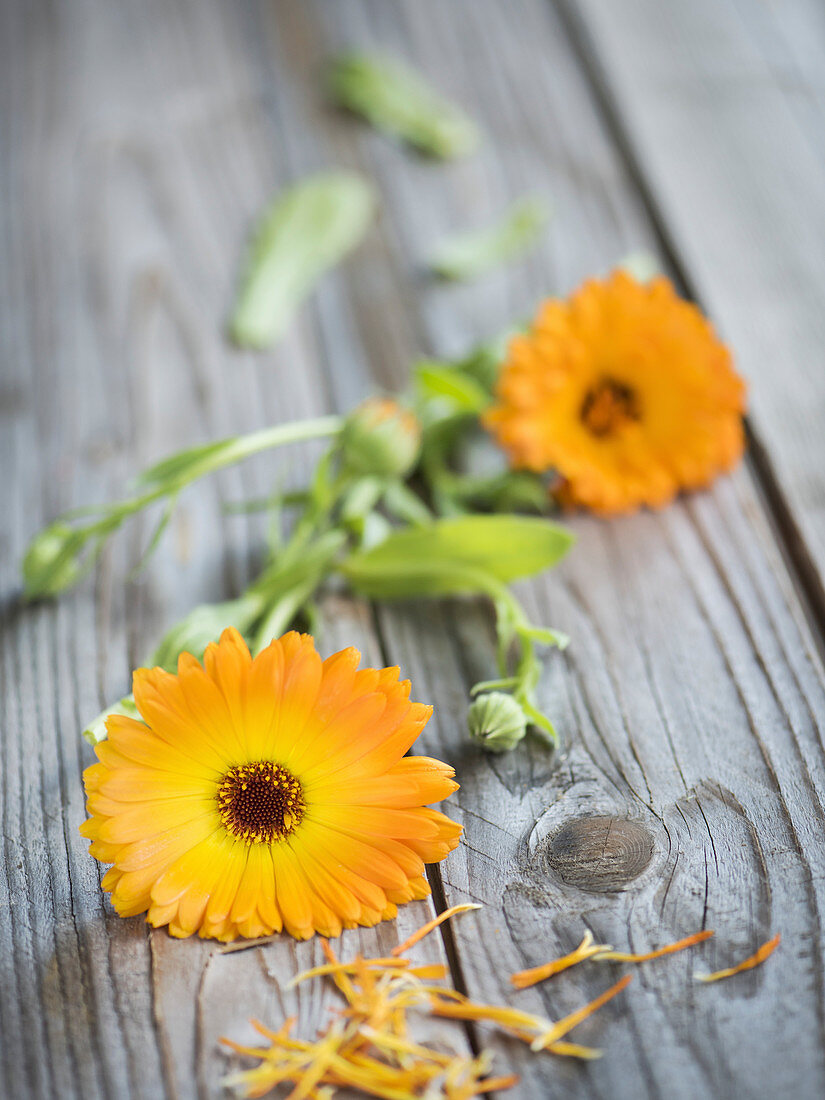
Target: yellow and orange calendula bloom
x,y
625,391
267,794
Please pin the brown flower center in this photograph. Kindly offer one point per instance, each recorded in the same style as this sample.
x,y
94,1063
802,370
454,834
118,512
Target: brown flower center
x,y
260,802
608,406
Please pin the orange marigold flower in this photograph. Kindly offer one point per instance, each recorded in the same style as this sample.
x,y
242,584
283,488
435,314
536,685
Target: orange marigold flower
x,y
266,794
625,391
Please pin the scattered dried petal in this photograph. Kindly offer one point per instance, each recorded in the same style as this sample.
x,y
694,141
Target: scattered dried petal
x,y
244,945
540,1033
764,952
608,954
575,1050
366,1047
495,1084
569,1022
425,929
329,968
603,952
587,949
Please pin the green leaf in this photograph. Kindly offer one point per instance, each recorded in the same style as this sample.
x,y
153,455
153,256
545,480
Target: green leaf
x,y
406,505
305,231
96,731
398,101
442,380
282,612
484,362
470,255
466,554
510,491
204,625
360,499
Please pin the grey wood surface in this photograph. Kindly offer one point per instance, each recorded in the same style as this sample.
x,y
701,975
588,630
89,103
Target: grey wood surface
x,y
138,141
720,107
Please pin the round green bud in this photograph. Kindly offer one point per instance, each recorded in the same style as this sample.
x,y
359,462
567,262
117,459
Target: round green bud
x,y
381,439
497,721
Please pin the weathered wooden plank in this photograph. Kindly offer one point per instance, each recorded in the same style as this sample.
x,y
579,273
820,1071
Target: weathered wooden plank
x,y
692,695
737,178
689,796
791,36
689,657
118,275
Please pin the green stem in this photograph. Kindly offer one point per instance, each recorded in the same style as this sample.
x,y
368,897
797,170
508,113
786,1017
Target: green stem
x,y
513,624
55,561
184,467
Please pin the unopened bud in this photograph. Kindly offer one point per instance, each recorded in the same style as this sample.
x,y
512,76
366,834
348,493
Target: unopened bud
x,y
381,439
497,721
51,562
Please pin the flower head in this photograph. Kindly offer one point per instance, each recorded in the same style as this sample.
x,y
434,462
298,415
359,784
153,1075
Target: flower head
x,y
625,391
264,794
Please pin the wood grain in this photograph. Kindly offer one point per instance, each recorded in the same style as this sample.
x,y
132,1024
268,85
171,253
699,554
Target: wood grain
x,y
135,252
726,140
673,698
143,139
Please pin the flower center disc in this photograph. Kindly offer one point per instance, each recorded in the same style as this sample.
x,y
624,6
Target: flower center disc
x,y
608,406
261,802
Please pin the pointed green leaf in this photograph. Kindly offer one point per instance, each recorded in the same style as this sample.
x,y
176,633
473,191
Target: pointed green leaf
x,y
203,625
466,554
441,380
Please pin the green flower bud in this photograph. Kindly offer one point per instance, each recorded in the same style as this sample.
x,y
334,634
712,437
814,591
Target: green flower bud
x,y
497,721
379,438
51,562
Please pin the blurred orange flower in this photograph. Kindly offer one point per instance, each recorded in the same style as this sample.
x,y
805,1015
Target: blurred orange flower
x,y
625,391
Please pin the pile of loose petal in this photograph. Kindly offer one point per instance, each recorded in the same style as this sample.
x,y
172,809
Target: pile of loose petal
x,y
367,1045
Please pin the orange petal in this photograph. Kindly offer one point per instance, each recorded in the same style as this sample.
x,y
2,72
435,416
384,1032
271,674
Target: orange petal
x,y
764,952
586,950
430,926
620,956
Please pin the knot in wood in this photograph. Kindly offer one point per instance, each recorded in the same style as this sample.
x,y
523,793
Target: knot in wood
x,y
599,854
